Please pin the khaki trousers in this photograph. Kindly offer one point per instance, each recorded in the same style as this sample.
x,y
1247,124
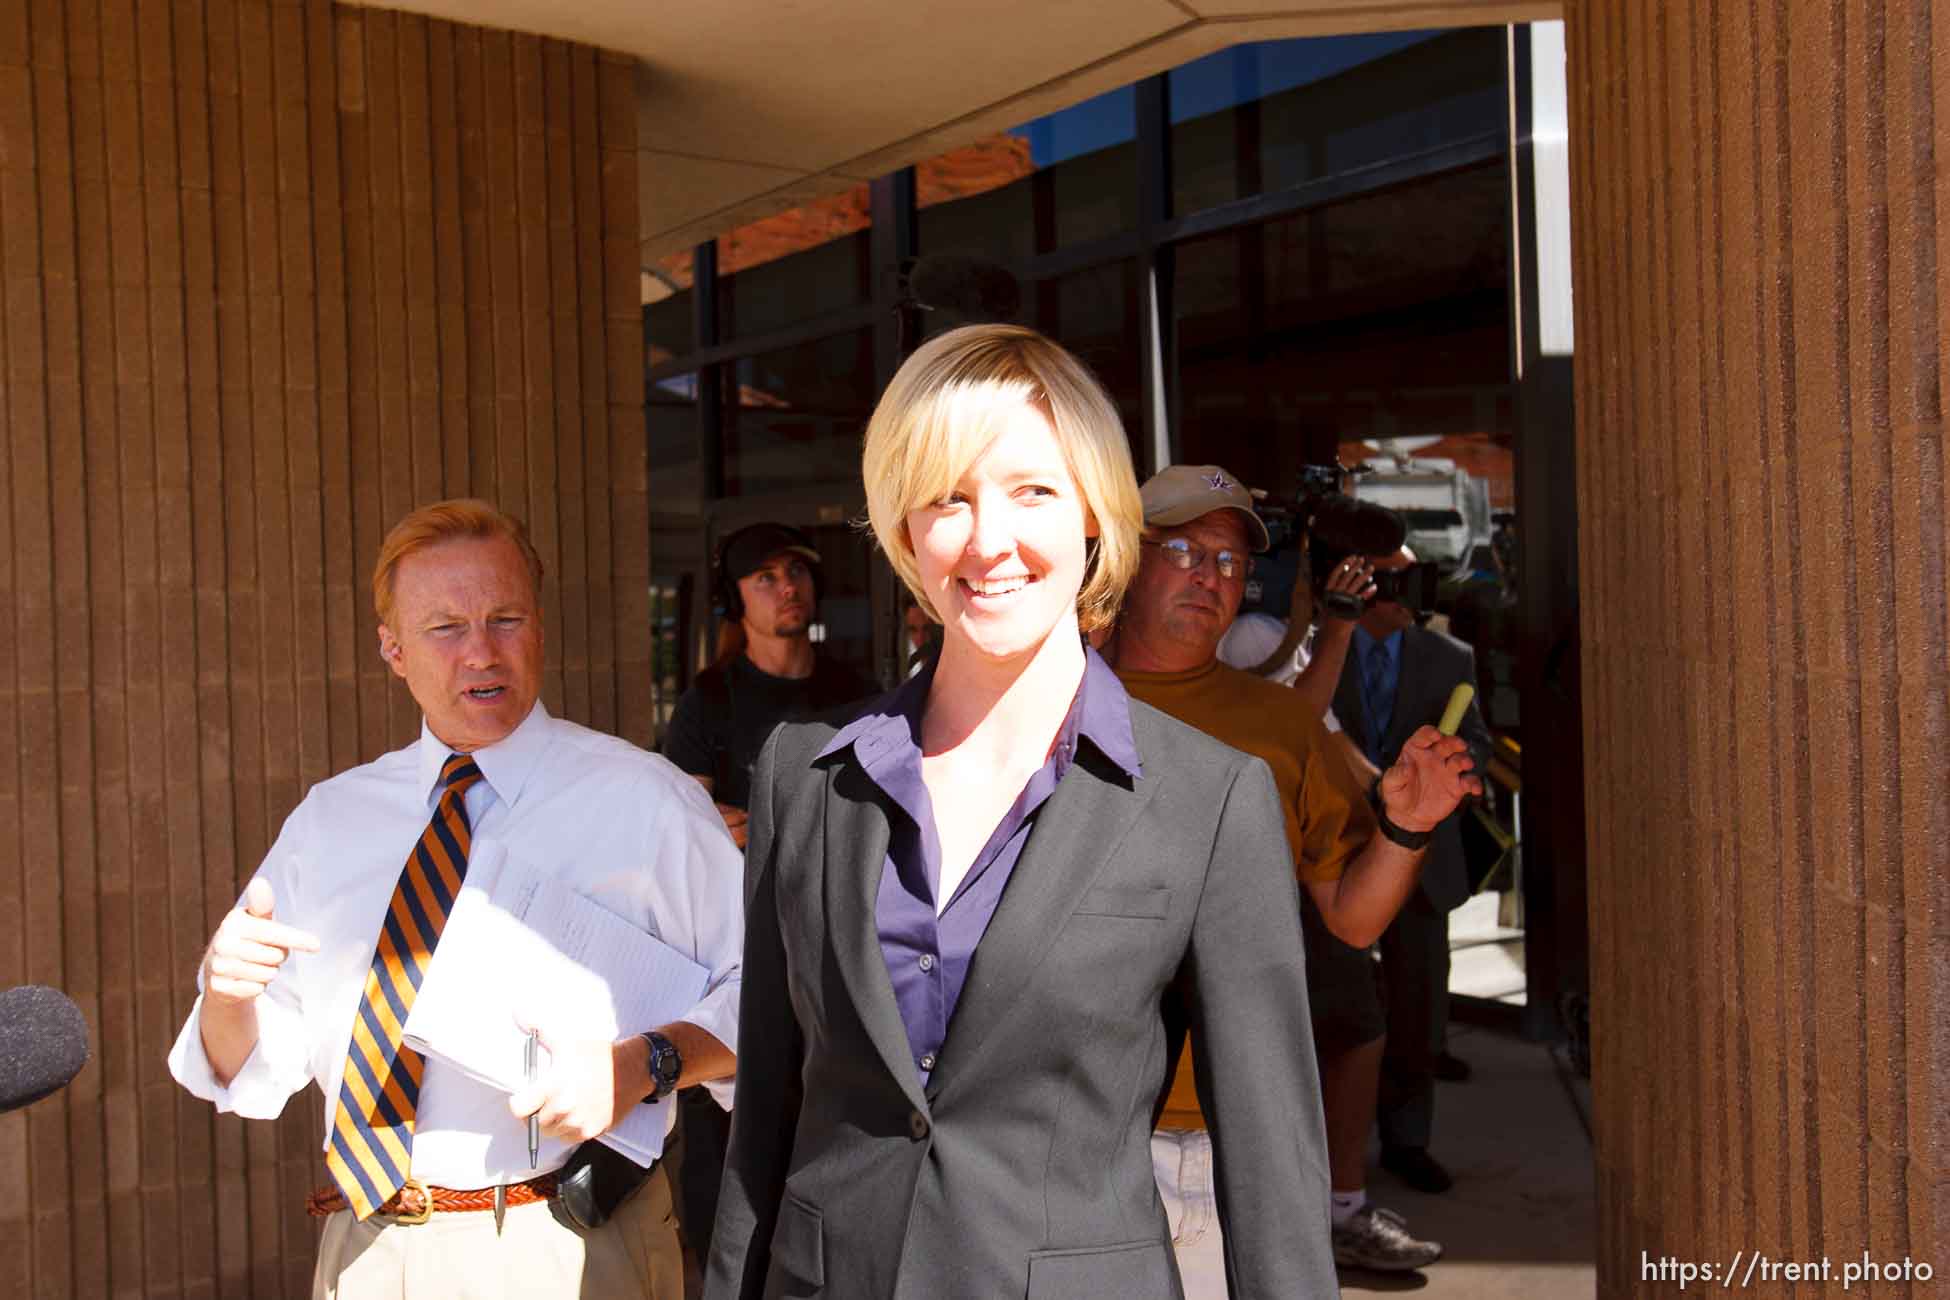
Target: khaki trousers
x,y
460,1256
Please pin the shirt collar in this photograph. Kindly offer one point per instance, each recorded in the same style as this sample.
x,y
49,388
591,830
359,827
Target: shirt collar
x,y
893,716
1107,715
1390,645
505,765
1104,718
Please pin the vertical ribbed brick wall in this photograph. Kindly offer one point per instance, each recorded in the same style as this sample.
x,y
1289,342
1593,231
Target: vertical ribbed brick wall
x,y
273,273
1760,312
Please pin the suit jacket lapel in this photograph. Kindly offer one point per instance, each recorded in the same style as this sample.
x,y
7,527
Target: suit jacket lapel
x,y
1411,688
856,853
1076,832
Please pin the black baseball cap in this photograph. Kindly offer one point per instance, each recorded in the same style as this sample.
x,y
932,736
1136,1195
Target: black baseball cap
x,y
747,550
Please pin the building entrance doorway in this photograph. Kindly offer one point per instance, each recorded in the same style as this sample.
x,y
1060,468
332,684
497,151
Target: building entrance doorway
x,y
1284,254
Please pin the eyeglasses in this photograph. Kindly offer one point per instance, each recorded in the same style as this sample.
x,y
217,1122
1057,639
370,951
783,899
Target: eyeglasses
x,y
1185,556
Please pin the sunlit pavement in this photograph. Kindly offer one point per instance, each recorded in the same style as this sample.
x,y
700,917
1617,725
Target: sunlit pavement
x,y
1520,1222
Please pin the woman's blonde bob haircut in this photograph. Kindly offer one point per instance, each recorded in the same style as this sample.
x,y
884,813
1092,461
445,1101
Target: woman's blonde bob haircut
x,y
950,399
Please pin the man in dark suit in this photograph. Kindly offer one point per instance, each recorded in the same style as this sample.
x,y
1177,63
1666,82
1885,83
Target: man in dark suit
x,y
1398,677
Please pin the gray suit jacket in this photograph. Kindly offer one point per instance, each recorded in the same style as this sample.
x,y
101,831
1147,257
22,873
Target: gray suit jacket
x,y
1432,665
1024,1168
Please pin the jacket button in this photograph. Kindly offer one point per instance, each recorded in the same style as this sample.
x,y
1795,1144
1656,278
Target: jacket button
x,y
917,1124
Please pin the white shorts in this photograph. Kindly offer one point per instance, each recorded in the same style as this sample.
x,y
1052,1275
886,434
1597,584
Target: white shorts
x,y
1182,1164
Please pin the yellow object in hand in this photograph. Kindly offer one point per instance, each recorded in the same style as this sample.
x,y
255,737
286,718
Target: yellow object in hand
x,y
1452,715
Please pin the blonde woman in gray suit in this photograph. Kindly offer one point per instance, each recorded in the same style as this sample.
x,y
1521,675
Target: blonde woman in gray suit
x,y
974,905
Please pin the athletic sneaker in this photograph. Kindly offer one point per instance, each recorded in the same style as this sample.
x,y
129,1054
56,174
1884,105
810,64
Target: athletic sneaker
x,y
1378,1239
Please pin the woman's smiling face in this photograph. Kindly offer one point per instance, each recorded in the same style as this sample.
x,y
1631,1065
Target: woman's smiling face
x,y
1002,554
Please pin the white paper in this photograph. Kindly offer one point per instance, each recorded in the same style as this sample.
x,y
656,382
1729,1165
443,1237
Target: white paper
x,y
520,948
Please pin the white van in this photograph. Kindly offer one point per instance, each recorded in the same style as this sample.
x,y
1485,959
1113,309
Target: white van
x,y
1447,509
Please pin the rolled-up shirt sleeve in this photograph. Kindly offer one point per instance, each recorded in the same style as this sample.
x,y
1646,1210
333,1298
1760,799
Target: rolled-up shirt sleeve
x,y
697,904
280,1064
278,1067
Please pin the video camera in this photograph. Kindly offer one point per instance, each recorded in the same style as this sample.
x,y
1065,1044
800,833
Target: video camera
x,y
1316,528
1414,587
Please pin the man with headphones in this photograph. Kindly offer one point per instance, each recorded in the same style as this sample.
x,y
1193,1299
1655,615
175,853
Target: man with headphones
x,y
766,671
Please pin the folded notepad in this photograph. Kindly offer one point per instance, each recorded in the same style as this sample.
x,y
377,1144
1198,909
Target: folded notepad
x,y
519,948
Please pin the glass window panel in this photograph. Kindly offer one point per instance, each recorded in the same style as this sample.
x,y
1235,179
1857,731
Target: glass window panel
x,y
1094,314
1064,179
670,422
670,615
795,265
847,558
1244,73
795,417
979,200
1267,116
668,320
1385,316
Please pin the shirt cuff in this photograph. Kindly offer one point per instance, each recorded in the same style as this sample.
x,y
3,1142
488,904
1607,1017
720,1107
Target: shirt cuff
x,y
275,1069
1329,721
717,1014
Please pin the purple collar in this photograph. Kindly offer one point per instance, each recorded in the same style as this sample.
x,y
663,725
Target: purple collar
x,y
1103,718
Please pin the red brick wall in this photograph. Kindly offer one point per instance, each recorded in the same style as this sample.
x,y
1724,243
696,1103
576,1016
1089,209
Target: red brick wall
x,y
1759,197
273,273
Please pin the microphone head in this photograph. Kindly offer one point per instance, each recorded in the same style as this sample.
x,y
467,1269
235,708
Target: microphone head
x,y
43,1044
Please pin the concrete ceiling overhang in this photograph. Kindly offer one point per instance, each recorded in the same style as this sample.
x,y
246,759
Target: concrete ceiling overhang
x,y
748,107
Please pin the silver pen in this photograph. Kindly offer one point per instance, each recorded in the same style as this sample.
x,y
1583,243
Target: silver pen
x,y
530,1064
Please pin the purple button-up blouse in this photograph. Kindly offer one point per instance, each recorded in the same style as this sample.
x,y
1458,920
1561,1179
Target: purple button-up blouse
x,y
928,953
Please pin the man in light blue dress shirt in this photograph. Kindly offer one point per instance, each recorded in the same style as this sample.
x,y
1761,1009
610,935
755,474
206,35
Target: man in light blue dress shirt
x,y
457,589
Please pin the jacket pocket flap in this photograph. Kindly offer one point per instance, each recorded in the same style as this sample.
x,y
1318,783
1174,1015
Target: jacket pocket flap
x,y
1153,902
796,1241
1132,1269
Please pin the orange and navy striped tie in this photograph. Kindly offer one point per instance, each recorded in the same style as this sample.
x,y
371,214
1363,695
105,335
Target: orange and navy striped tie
x,y
370,1155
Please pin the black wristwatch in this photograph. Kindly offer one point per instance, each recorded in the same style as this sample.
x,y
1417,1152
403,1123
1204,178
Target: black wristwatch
x,y
665,1065
1417,840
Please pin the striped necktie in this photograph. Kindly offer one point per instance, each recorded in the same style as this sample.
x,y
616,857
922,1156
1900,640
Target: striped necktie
x,y
370,1155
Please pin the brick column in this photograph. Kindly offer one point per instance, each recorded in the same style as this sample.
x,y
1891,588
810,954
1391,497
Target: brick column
x,y
1760,317
274,272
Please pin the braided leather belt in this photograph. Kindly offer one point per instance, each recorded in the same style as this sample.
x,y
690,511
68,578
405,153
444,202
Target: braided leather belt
x,y
416,1202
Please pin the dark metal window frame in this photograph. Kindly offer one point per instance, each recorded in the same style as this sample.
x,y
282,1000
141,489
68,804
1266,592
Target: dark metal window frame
x,y
1151,244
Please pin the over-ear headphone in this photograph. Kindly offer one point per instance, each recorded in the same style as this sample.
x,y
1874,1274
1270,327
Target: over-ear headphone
x,y
730,604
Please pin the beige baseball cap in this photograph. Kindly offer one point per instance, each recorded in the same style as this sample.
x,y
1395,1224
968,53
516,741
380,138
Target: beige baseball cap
x,y
1182,493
